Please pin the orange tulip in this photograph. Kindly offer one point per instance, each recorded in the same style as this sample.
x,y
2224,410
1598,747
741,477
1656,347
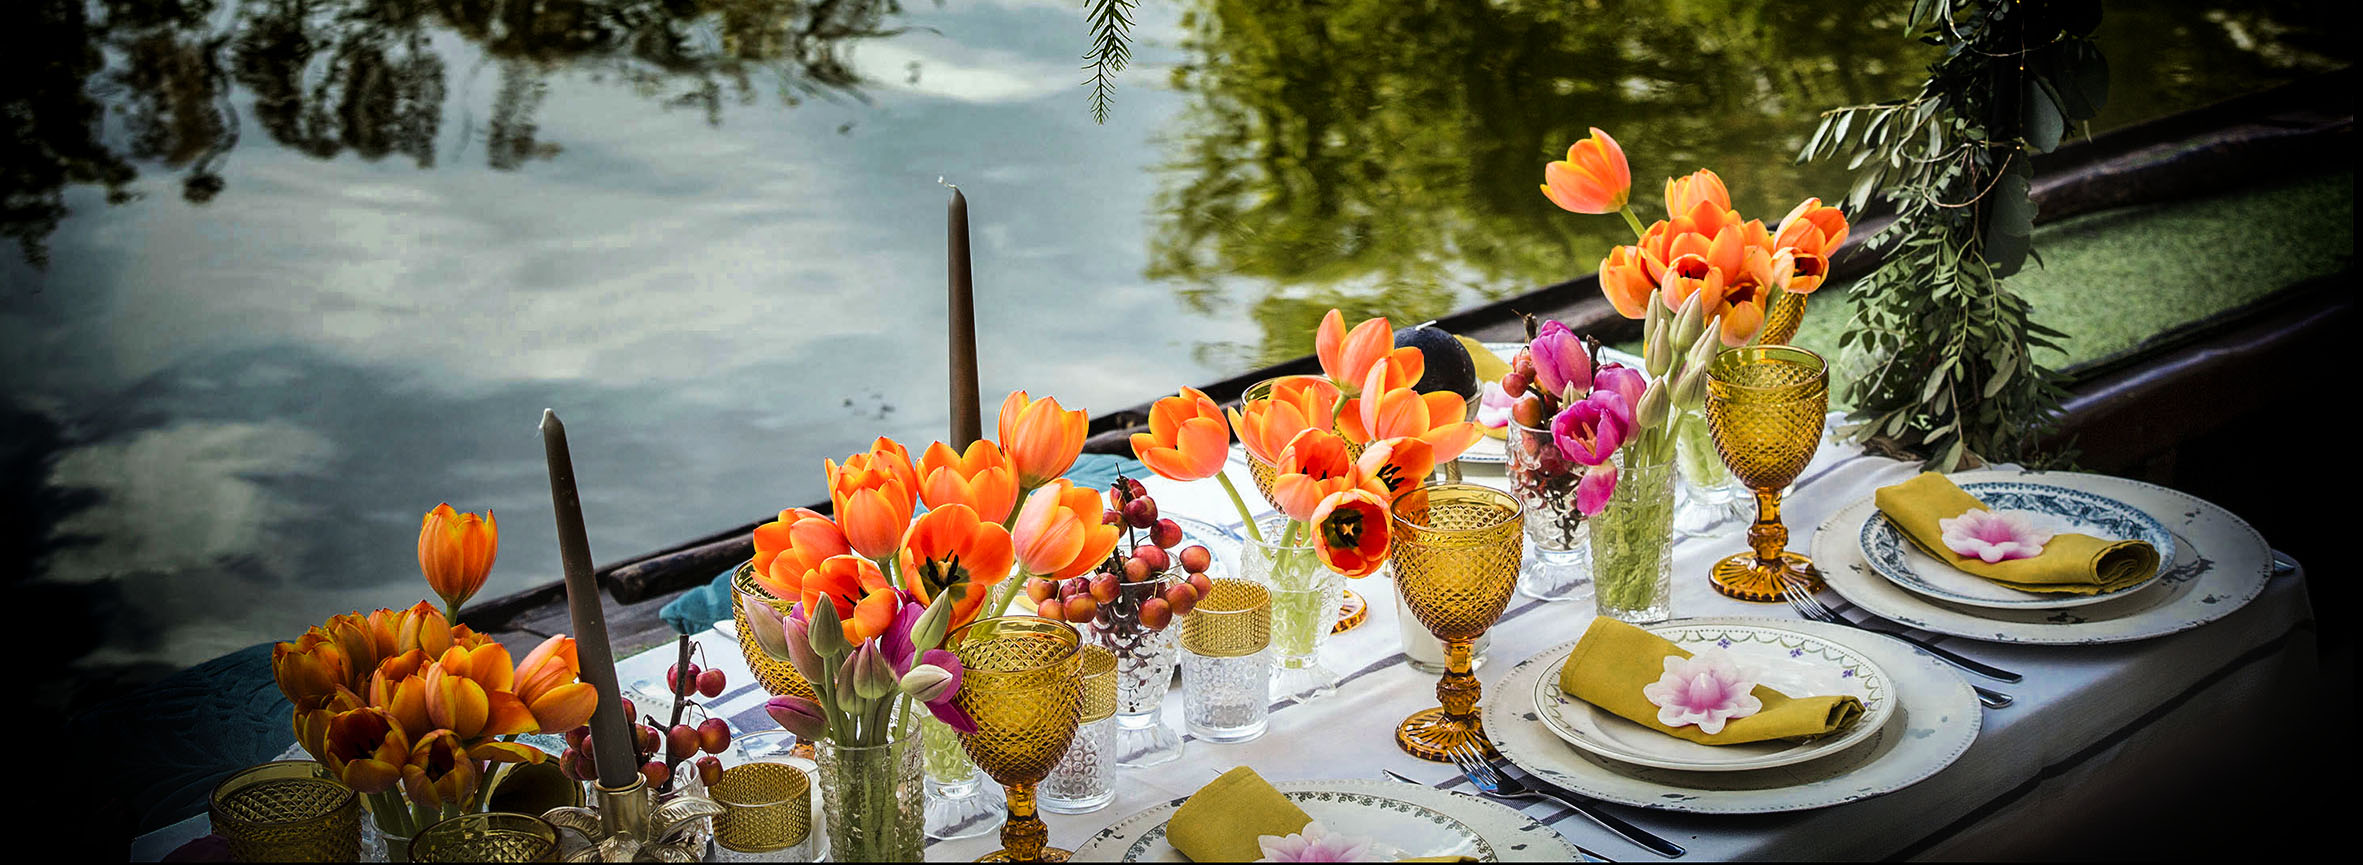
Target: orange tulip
x,y
1350,532
455,552
953,550
546,683
1624,279
1347,357
873,494
366,748
795,550
1593,179
772,537
423,627
1690,275
1187,439
1385,413
1685,194
865,601
402,696
1297,403
1059,533
982,479
1041,439
1308,470
1390,466
1813,231
439,772
309,669
467,693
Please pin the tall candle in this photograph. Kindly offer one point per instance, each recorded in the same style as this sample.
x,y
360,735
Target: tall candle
x,y
611,728
967,416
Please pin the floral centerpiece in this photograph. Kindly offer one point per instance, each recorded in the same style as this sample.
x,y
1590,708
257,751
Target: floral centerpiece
x,y
1700,278
415,713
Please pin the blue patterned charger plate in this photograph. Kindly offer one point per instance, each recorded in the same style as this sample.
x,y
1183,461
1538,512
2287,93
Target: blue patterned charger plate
x,y
1895,557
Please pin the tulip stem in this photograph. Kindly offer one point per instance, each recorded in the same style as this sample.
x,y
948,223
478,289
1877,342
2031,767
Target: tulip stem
x,y
1241,504
1634,221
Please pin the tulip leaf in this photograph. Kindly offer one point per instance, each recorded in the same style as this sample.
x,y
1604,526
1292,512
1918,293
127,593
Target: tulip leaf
x,y
2045,123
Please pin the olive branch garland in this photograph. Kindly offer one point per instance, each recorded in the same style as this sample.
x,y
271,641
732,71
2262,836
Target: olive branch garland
x,y
1953,377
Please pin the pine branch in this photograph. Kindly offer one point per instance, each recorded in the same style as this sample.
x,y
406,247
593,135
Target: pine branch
x,y
1111,50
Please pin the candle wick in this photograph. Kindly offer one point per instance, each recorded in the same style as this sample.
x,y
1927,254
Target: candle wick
x,y
939,179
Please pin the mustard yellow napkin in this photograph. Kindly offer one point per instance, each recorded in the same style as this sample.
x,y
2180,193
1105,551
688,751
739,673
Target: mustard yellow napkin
x,y
2070,563
1221,821
1615,660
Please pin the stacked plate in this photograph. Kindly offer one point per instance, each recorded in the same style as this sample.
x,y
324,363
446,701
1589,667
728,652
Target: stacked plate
x,y
1917,717
1419,821
2211,563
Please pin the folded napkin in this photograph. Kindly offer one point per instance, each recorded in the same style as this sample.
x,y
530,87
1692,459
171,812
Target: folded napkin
x,y
1221,821
2070,563
1614,661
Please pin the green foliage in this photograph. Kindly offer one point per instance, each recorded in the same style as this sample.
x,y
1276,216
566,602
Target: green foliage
x,y
1953,375
1111,50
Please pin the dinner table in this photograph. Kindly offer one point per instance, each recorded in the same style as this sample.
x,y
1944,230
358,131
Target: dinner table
x,y
2083,725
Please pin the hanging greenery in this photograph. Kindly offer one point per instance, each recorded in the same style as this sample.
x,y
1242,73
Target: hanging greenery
x,y
1952,376
1111,50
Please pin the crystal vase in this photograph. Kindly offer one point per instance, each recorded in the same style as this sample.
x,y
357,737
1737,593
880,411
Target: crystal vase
x,y
874,798
959,802
1306,596
1633,542
1145,659
1555,566
1710,496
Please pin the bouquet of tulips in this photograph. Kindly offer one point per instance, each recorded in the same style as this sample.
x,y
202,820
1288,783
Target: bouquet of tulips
x,y
876,590
415,713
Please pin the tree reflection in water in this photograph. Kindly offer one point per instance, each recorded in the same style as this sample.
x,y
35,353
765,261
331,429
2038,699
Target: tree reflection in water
x,y
329,77
1383,156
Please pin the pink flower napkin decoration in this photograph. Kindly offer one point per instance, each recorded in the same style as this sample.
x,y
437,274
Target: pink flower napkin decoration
x,y
1315,843
1706,689
1994,536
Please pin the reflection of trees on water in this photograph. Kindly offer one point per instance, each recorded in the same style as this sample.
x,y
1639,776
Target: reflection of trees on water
x,y
330,77
1383,156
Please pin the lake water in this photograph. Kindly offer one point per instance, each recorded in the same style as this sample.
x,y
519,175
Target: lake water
x,y
324,262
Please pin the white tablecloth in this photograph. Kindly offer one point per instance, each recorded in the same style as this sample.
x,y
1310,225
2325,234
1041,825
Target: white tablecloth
x,y
2088,721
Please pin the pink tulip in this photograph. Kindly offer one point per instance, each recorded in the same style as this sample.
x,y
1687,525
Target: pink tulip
x,y
1591,493
1560,362
1624,380
1590,430
799,716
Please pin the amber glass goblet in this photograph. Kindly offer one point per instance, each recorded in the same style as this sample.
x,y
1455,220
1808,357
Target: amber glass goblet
x,y
776,675
1455,552
1022,682
1766,405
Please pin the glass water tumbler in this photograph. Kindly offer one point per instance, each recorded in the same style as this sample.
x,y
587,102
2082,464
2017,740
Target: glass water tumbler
x,y
1227,663
1080,782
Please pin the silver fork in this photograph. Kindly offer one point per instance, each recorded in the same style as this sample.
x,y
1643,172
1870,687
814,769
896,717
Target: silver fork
x,y
1801,599
1486,779
1580,849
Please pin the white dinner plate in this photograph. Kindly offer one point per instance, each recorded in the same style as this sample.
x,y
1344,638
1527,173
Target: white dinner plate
x,y
2220,564
1935,719
2062,509
1782,658
1419,821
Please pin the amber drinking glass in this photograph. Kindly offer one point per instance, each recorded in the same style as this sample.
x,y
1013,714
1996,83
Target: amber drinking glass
x,y
493,837
765,807
1022,683
1455,552
288,811
1766,405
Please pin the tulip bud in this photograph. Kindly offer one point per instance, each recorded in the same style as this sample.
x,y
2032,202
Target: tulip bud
x,y
928,683
769,628
935,622
799,716
1689,387
1654,407
798,637
828,631
1708,341
1656,352
1691,320
873,675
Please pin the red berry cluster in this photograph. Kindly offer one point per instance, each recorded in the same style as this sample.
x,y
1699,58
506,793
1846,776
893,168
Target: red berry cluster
x,y
1103,598
678,743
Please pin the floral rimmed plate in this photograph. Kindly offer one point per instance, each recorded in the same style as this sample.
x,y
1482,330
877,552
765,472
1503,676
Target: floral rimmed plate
x,y
1420,821
1902,562
2220,564
1790,661
1936,718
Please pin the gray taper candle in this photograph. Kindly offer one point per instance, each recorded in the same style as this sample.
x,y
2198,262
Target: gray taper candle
x,y
968,423
611,728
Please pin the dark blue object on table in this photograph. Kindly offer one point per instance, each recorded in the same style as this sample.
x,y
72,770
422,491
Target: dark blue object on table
x,y
166,745
699,608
